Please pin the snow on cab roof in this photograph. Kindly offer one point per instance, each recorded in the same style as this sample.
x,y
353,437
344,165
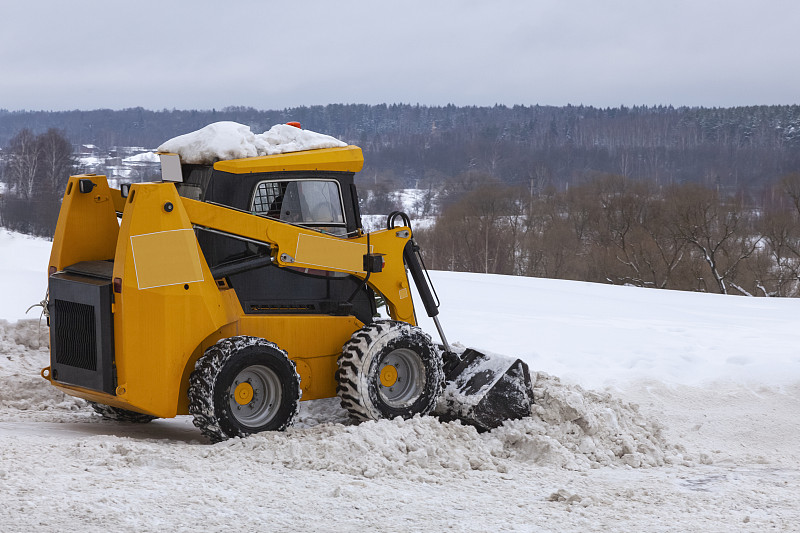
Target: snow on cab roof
x,y
230,140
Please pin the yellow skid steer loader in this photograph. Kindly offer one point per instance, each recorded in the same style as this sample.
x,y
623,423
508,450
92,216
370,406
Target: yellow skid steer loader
x,y
233,290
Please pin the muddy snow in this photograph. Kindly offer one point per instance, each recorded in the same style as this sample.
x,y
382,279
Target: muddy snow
x,y
671,412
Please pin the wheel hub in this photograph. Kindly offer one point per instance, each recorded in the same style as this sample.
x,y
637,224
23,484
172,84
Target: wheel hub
x,y
243,393
255,395
388,376
402,378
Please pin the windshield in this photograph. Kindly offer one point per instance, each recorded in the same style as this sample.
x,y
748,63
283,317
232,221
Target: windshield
x,y
314,203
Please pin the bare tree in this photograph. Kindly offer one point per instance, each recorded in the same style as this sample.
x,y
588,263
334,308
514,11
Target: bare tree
x,y
22,166
716,230
791,187
777,269
55,162
645,252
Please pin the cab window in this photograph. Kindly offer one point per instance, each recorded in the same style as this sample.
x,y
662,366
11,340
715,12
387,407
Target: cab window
x,y
313,203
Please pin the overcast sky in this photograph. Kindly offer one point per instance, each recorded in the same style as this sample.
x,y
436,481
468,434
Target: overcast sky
x,y
57,54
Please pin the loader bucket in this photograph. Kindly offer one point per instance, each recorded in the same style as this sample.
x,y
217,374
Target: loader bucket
x,y
484,390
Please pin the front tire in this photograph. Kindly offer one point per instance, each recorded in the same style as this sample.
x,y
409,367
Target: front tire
x,y
389,369
243,385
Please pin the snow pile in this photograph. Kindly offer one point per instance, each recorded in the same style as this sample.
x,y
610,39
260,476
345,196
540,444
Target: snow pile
x,y
24,394
421,448
569,428
583,429
231,140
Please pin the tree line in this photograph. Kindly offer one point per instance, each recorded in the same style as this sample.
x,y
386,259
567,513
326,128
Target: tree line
x,y
612,229
536,146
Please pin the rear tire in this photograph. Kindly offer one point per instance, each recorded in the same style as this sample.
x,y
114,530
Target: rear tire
x,y
243,385
389,369
118,414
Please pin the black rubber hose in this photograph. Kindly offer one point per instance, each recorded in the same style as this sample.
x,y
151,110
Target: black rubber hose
x,y
393,215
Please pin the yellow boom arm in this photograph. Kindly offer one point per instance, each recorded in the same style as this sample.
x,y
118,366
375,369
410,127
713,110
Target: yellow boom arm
x,y
296,246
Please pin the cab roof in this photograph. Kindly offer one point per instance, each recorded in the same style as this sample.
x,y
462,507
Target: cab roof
x,y
343,159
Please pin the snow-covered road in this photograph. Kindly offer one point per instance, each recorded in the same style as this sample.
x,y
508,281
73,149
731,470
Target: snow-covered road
x,y
734,450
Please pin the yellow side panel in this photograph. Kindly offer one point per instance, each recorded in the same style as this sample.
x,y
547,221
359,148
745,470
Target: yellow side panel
x,y
169,301
344,159
314,342
166,258
330,254
87,227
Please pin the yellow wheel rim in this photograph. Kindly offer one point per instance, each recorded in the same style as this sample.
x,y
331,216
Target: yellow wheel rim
x,y
388,376
243,393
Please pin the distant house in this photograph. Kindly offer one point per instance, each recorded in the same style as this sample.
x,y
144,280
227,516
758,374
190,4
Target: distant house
x,y
88,150
89,159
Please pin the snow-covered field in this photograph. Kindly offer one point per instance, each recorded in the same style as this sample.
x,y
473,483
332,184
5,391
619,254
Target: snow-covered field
x,y
673,412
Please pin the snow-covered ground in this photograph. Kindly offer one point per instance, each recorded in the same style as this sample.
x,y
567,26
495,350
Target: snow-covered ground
x,y
673,412
23,274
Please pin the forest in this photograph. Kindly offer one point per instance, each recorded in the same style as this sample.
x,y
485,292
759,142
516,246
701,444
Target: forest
x,y
412,145
704,199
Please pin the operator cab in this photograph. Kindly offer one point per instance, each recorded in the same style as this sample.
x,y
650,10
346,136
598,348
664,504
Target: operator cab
x,y
319,199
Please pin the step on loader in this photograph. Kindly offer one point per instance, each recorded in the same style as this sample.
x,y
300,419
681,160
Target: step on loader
x,y
232,291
